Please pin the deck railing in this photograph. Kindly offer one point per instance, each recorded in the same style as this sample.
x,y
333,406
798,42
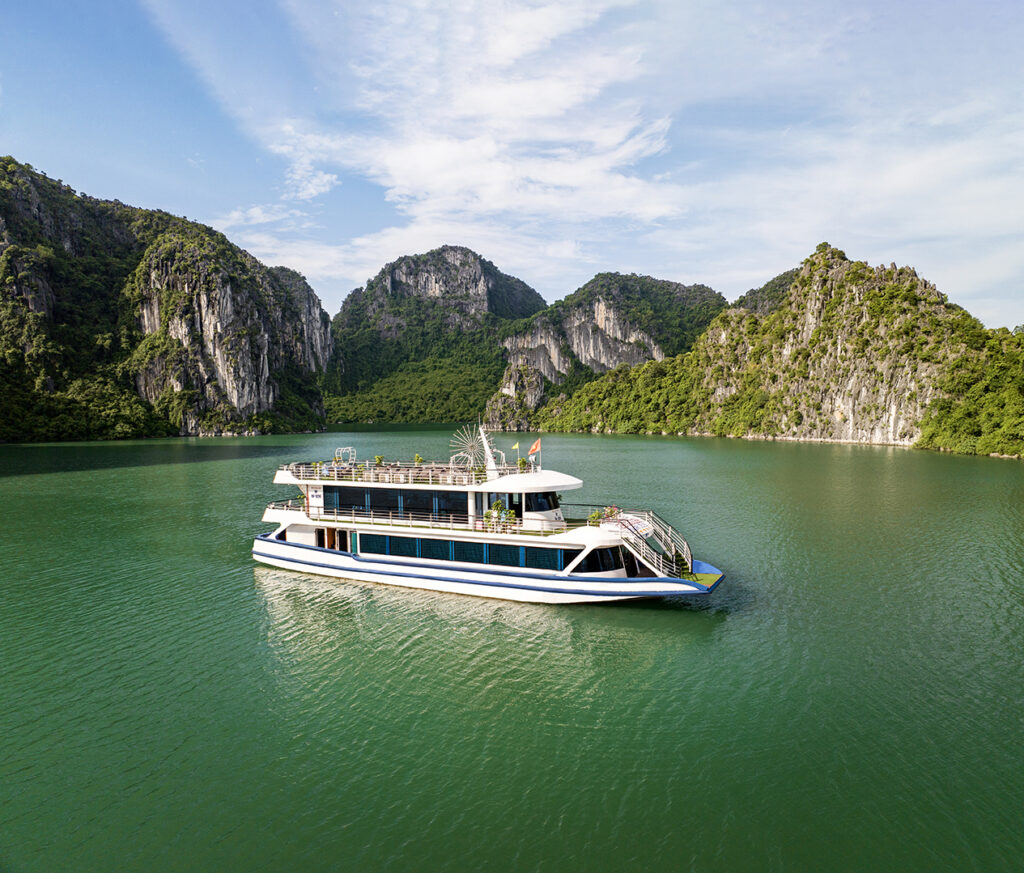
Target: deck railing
x,y
443,521
638,527
402,472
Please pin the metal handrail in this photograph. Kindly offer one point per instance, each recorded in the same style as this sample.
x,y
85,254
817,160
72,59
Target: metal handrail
x,y
444,521
401,472
671,541
674,560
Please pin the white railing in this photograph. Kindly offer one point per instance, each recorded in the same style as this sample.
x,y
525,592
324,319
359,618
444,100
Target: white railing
x,y
637,527
444,521
401,472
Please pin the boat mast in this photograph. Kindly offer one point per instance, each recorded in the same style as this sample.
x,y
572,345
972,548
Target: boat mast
x,y
491,464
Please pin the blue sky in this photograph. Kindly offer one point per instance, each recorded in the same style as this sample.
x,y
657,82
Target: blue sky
x,y
696,141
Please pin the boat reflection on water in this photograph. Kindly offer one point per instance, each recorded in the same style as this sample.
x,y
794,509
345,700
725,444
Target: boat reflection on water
x,y
323,632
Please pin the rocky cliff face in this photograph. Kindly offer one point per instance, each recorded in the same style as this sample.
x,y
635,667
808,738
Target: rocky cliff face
x,y
594,330
224,328
435,305
595,334
112,306
853,354
848,353
467,286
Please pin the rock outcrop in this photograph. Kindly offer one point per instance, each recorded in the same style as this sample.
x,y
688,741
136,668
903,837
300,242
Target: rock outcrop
x,y
849,353
225,328
596,329
134,322
844,358
423,306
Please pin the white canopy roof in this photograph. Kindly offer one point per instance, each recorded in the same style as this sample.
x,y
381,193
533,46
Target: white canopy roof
x,y
529,483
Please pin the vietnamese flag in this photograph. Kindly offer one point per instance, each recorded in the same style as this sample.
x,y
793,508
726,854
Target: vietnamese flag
x,y
534,448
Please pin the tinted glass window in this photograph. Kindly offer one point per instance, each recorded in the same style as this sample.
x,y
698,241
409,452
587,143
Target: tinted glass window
x,y
472,552
404,546
436,550
373,543
384,499
611,559
342,498
451,503
543,502
568,556
601,560
500,554
420,502
542,559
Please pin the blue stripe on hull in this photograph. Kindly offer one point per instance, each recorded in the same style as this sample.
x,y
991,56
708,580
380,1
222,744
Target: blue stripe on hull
x,y
302,563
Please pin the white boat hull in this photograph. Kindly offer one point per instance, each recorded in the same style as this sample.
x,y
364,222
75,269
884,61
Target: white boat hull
x,y
503,585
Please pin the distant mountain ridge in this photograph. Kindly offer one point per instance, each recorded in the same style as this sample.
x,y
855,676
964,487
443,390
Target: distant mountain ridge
x,y
418,342
123,322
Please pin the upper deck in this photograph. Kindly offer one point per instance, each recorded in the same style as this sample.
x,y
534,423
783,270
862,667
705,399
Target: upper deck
x,y
526,477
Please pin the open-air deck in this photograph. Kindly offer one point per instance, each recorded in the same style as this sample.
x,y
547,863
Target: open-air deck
x,y
403,472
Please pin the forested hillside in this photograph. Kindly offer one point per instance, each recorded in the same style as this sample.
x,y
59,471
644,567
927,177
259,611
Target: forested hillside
x,y
420,341
122,322
849,352
613,319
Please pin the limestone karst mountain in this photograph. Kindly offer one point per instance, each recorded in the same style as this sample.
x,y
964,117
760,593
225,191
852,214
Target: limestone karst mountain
x,y
117,321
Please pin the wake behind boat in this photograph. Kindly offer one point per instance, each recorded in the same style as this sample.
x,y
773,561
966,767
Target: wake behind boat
x,y
473,525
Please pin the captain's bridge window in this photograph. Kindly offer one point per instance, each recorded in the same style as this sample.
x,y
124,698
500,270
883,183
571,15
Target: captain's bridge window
x,y
544,501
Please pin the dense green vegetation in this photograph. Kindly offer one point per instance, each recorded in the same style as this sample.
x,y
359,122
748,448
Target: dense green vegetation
x,y
769,296
983,410
673,315
436,389
72,273
405,357
844,338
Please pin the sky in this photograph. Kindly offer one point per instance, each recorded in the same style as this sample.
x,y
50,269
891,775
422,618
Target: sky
x,y
712,142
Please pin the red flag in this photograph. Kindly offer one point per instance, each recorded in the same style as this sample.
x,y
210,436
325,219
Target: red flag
x,y
534,448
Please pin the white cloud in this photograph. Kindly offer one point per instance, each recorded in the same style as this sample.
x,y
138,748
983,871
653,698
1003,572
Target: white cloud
x,y
267,213
691,140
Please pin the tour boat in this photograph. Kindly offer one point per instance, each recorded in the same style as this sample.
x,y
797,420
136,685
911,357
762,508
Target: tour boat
x,y
473,525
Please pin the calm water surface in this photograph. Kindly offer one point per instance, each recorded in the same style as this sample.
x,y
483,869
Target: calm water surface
x,y
851,698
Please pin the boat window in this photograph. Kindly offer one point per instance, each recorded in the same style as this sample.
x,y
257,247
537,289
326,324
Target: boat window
x,y
543,559
384,499
471,552
451,503
436,550
502,554
402,546
344,499
568,556
373,544
629,562
542,502
600,561
419,502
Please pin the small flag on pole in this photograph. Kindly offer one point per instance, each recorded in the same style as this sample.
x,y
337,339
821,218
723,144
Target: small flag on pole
x,y
534,448
516,446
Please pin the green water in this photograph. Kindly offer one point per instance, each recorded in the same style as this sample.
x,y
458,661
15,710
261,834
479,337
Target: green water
x,y
850,698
